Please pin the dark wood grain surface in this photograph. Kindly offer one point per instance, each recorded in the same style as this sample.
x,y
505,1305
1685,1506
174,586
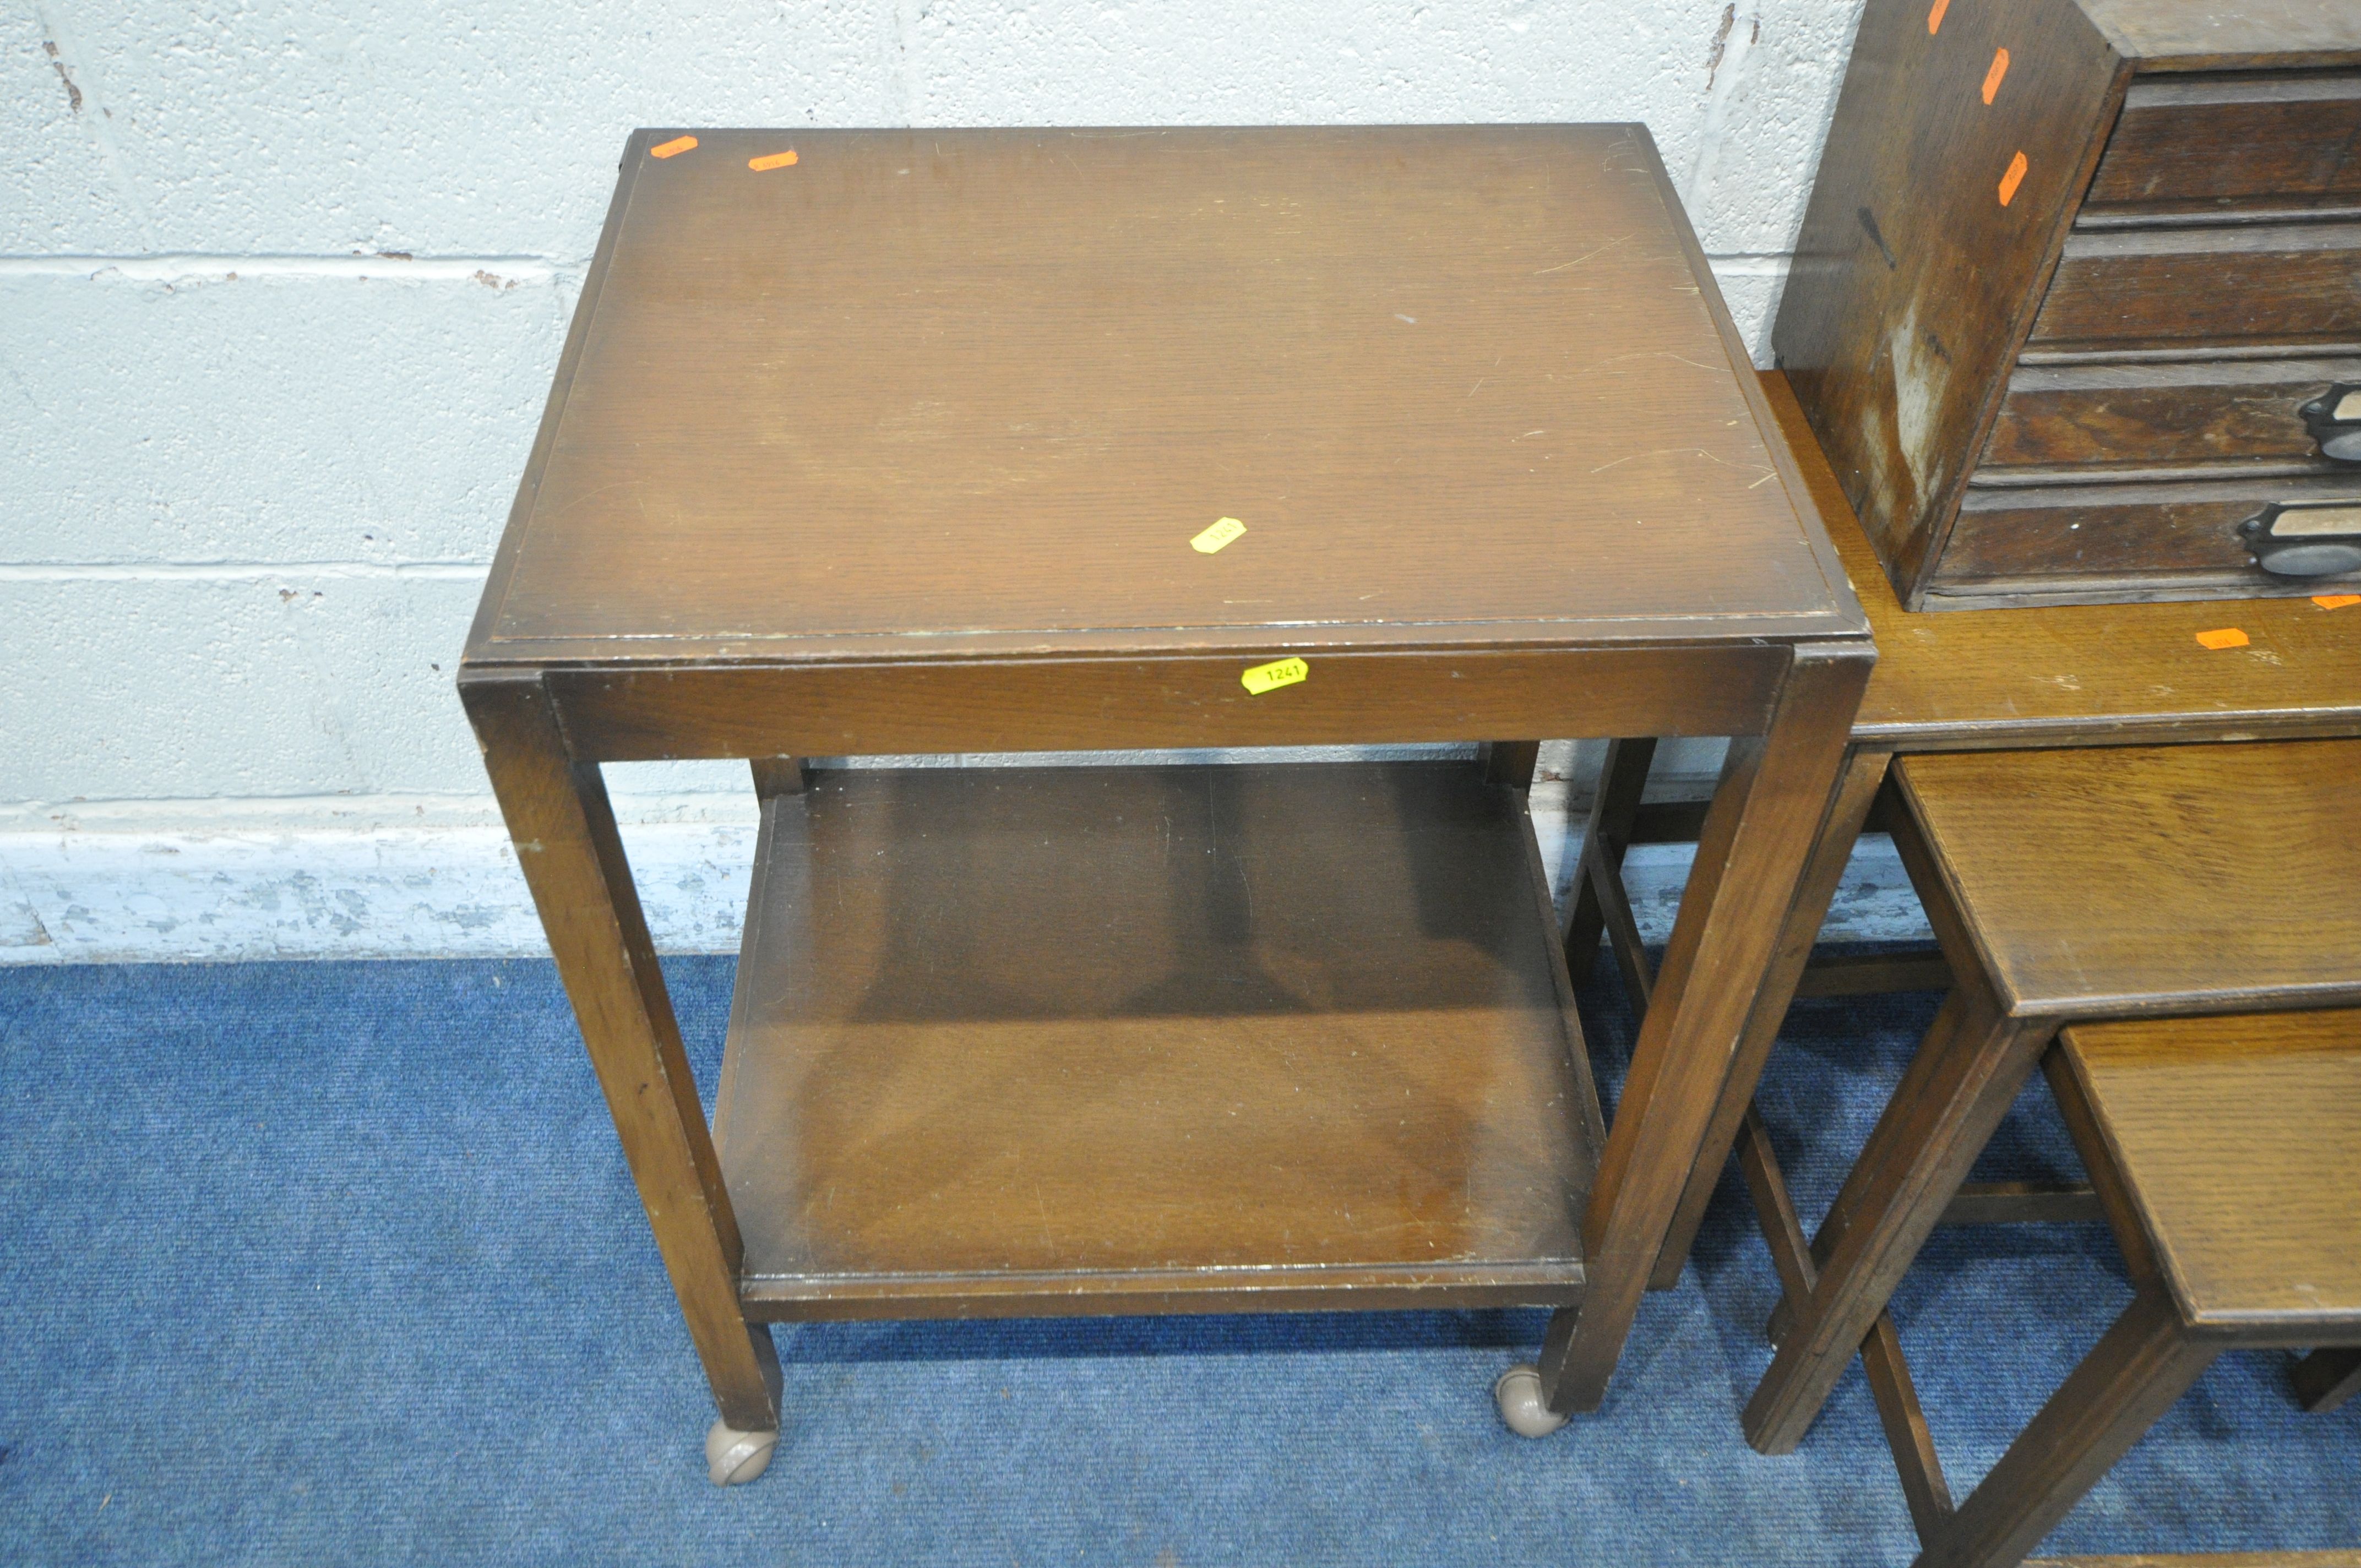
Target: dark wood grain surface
x,y
2205,35
1118,704
2105,879
1913,284
2086,673
1923,278
1193,1039
2282,142
2208,415
2267,283
926,395
2149,540
2240,1140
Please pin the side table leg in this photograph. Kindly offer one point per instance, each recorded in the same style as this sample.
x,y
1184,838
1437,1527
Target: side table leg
x,y
573,861
2326,1378
777,775
1509,762
1864,772
2145,1362
1603,839
1774,796
1962,1082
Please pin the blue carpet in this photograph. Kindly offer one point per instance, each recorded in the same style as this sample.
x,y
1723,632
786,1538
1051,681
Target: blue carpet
x,y
338,1263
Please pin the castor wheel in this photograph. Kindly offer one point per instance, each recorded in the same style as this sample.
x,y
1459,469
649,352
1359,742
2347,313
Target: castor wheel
x,y
733,1458
1519,1395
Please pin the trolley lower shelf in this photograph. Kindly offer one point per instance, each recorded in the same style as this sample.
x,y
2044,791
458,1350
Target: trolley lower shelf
x,y
1040,1041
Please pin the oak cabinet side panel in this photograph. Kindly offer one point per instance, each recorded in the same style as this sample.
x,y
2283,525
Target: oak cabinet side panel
x,y
1932,225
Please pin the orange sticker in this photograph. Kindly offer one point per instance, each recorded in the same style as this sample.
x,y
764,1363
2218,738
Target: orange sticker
x,y
2011,180
2335,601
674,148
1935,16
774,161
2228,637
1999,69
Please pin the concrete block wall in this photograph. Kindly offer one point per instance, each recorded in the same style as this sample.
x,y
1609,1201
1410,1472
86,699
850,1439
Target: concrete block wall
x,y
281,287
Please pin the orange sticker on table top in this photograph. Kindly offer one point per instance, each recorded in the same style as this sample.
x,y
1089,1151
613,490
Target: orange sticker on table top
x,y
672,148
1993,77
1935,16
2013,179
772,161
2335,601
2228,637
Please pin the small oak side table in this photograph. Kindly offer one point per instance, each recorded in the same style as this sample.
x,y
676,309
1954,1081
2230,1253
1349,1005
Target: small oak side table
x,y
923,441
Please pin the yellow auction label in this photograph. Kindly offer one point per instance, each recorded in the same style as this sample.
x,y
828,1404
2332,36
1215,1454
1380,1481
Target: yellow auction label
x,y
1270,677
1214,538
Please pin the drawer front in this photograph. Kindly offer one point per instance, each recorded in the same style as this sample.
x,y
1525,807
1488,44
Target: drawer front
x,y
2121,543
2267,283
2287,141
2166,415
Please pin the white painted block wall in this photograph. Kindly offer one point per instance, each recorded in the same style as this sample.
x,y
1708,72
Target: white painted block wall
x,y
281,287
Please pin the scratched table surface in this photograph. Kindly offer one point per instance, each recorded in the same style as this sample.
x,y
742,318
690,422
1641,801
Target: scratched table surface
x,y
928,394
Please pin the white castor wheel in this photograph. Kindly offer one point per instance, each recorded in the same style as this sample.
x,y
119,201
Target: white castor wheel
x,y
1519,1395
733,1458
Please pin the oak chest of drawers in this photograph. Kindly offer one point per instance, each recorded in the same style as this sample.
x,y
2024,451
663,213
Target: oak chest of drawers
x,y
2076,307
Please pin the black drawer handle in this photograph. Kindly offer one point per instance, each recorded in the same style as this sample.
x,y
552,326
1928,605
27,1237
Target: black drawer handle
x,y
2334,420
2318,539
